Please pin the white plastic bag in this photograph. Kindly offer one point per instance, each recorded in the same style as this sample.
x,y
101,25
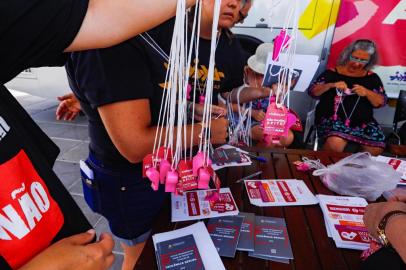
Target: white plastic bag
x,y
359,175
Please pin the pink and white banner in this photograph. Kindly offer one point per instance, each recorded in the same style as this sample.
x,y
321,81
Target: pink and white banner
x,y
384,22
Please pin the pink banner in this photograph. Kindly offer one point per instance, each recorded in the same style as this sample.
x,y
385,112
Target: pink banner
x,y
384,22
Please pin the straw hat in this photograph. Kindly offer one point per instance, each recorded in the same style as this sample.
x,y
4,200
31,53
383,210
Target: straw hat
x,y
257,62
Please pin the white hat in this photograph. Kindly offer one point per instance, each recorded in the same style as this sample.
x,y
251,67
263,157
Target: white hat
x,y
257,62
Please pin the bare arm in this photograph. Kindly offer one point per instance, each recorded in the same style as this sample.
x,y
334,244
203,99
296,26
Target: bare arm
x,y
396,232
128,124
249,93
377,100
320,89
109,22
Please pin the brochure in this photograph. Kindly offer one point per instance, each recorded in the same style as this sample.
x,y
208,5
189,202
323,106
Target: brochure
x,y
179,254
193,205
229,156
279,193
271,238
397,164
343,217
205,247
246,241
225,233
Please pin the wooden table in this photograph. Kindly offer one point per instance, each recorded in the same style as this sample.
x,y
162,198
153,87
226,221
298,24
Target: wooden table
x,y
312,249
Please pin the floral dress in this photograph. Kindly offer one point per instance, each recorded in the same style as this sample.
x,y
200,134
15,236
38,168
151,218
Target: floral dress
x,y
349,116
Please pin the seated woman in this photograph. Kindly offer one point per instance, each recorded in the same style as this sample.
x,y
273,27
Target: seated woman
x,y
348,94
259,95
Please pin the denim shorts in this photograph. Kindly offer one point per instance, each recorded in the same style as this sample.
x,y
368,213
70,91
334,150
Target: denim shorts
x,y
124,198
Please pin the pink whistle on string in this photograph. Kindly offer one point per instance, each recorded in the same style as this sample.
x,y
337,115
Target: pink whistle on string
x,y
198,162
281,42
153,175
164,168
201,99
291,120
188,90
204,179
171,181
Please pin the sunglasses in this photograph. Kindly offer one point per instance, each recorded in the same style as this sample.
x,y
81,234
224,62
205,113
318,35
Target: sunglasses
x,y
359,60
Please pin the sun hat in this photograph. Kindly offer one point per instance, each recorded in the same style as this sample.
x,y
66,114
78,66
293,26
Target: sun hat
x,y
257,62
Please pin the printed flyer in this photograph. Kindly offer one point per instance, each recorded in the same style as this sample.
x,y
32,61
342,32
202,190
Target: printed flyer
x,y
201,240
246,242
193,205
225,233
343,217
271,239
229,156
179,254
279,192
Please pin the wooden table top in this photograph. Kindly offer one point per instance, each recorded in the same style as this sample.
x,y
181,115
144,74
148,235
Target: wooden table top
x,y
312,249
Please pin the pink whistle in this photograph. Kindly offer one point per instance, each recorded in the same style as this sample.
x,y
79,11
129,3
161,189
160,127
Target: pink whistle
x,y
198,162
188,90
201,99
153,175
164,168
204,179
291,120
280,43
171,181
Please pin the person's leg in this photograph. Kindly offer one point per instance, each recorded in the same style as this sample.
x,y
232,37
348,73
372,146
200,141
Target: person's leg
x,y
131,255
375,151
335,144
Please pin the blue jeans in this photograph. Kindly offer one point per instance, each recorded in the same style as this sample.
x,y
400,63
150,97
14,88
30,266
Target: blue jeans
x,y
124,198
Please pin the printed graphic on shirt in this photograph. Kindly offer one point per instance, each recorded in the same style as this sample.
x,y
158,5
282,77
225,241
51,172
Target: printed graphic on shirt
x,y
202,73
29,216
4,128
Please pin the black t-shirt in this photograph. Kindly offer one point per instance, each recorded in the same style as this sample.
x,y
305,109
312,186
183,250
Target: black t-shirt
x,y
35,33
36,208
363,112
134,70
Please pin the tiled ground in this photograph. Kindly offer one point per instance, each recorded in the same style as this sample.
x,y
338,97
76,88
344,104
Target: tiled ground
x,y
72,138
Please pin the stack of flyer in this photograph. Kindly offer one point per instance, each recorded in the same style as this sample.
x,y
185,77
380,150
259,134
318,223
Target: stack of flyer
x,y
279,192
343,218
189,248
225,233
271,240
397,164
229,156
194,205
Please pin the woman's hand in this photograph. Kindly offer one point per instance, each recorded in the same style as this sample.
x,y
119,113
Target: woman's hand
x,y
76,252
258,115
216,111
376,211
360,90
68,108
340,85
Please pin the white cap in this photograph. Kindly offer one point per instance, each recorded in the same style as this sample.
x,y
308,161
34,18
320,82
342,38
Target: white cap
x,y
257,62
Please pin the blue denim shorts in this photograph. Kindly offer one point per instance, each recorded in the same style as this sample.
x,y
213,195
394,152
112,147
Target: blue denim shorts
x,y
124,198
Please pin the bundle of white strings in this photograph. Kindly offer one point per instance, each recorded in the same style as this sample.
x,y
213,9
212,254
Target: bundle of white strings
x,y
173,110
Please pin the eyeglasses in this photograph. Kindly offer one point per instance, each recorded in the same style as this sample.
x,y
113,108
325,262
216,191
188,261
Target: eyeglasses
x,y
359,60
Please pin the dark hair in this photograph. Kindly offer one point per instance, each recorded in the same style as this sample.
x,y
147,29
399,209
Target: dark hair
x,y
360,44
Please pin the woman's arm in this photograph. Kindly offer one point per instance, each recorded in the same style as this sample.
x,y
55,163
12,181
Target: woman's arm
x,y
320,89
248,94
109,22
377,100
396,233
128,124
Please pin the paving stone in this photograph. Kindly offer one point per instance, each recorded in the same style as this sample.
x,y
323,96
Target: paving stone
x,y
91,216
80,151
68,172
64,130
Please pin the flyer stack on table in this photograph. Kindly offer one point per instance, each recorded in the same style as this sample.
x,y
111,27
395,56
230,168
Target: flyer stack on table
x,y
343,218
279,192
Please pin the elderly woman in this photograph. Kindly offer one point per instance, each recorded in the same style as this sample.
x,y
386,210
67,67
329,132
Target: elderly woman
x,y
348,94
